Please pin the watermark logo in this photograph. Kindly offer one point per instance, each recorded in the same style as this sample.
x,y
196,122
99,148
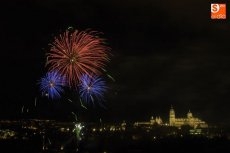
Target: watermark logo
x,y
218,11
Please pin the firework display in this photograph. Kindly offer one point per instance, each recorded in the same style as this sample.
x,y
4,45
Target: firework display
x,y
91,88
76,53
51,85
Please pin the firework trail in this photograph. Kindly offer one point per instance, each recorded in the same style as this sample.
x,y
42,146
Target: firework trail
x,y
91,89
75,116
52,85
22,110
70,100
108,75
82,104
76,53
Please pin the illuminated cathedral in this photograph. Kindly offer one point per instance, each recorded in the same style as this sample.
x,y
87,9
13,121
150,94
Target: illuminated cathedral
x,y
190,120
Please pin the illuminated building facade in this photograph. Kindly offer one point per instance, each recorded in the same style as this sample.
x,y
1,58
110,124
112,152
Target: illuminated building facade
x,y
153,121
190,120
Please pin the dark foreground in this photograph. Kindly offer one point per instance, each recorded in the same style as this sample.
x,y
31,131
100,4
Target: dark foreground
x,y
54,137
117,145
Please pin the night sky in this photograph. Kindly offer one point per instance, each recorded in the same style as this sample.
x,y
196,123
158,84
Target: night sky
x,y
163,54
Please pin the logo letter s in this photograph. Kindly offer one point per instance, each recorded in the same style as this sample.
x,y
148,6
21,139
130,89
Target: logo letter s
x,y
215,8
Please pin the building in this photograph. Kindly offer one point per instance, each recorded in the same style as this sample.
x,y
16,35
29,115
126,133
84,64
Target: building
x,y
190,120
152,121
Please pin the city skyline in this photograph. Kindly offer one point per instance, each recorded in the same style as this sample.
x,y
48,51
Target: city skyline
x,y
162,55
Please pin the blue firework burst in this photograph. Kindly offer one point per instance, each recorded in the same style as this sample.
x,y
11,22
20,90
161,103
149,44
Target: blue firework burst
x,y
51,85
91,89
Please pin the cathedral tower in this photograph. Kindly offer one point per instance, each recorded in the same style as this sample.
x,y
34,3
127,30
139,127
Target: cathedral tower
x,y
189,115
172,117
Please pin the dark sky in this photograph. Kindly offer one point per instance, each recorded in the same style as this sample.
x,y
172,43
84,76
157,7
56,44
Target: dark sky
x,y
164,54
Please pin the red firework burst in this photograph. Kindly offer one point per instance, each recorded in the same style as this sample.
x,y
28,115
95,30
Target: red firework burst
x,y
76,53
